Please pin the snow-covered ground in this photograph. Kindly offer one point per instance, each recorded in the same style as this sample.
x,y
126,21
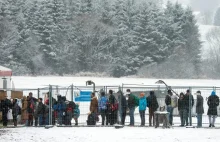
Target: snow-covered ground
x,y
109,134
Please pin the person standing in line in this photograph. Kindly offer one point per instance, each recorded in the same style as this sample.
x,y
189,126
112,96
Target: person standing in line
x,y
131,106
40,111
153,106
6,105
122,107
187,98
93,107
199,109
142,108
182,109
103,107
213,103
15,111
24,113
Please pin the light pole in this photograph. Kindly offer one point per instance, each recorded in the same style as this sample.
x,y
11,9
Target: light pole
x,y
90,82
168,87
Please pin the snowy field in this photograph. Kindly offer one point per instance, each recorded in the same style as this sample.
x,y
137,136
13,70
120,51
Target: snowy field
x,y
109,134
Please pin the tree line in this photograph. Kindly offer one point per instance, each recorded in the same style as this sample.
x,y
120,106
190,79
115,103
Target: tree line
x,y
119,37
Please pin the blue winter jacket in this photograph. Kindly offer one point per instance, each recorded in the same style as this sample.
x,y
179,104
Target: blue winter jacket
x,y
142,103
103,103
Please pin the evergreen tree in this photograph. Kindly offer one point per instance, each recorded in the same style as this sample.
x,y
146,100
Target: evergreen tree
x,y
217,17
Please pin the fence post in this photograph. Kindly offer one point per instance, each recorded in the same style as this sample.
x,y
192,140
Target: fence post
x,y
190,106
72,92
122,87
38,93
50,105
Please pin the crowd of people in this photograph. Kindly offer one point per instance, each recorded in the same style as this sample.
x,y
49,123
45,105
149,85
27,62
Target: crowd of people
x,y
35,112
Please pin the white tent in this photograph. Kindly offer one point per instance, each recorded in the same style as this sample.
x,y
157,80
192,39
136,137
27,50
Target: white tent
x,y
5,74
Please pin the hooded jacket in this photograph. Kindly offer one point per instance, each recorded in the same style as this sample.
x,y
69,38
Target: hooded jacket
x,y
142,103
213,102
199,105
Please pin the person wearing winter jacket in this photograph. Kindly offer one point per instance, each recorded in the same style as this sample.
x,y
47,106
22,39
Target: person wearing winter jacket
x,y
112,102
24,113
199,109
142,108
30,108
182,109
131,106
213,103
93,108
61,108
76,113
171,102
5,106
188,96
40,111
15,111
153,106
69,113
103,107
122,107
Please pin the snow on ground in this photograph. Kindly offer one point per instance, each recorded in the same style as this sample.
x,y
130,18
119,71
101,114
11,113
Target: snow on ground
x,y
110,134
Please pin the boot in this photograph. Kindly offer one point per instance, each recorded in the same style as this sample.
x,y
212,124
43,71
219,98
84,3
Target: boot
x,y
15,123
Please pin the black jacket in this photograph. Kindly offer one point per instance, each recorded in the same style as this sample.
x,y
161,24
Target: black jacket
x,y
213,102
186,97
40,108
181,104
168,100
122,103
5,105
199,105
152,102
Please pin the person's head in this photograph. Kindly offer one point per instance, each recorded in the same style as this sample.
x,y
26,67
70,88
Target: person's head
x,y
92,95
181,95
110,92
151,92
170,92
188,92
24,98
14,100
30,95
102,94
40,100
141,95
128,91
213,93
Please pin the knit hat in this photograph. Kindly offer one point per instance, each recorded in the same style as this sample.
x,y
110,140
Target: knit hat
x,y
213,93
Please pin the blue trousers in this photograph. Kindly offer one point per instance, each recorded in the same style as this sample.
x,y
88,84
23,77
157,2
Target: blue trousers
x,y
170,110
131,113
41,122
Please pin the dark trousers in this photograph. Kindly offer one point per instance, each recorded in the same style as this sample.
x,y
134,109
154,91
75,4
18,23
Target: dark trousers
x,y
182,116
35,121
123,116
187,117
103,115
151,115
30,119
170,110
199,120
15,120
4,118
142,115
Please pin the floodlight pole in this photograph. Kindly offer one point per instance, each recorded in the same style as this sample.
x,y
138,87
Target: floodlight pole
x,y
168,87
90,82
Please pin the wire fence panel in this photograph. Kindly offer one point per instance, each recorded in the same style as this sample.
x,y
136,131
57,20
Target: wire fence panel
x,y
71,105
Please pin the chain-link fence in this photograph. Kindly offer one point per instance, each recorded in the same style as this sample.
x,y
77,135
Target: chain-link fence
x,y
71,105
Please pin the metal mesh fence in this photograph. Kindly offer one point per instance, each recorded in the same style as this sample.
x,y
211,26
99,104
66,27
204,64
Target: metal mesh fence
x,y
59,105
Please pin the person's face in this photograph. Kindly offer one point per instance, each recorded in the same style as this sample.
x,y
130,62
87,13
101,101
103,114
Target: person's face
x,y
30,95
181,97
39,100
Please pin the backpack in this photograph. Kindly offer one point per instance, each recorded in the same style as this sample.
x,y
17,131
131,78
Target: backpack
x,y
103,103
91,119
136,99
